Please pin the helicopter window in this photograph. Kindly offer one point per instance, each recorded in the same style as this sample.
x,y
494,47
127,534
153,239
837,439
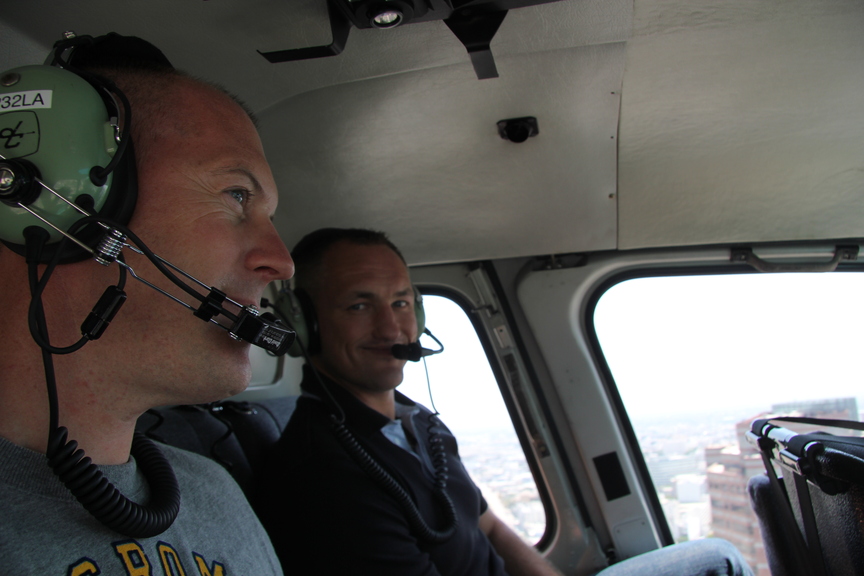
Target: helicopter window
x,y
465,392
696,358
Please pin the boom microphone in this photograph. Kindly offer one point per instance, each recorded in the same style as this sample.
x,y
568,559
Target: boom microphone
x,y
263,330
247,324
413,352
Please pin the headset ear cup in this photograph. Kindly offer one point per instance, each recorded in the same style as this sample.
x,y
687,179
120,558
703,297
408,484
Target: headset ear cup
x,y
66,140
119,206
295,306
419,312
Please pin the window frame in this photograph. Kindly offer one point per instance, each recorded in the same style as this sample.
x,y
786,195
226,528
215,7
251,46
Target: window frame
x,y
608,381
498,372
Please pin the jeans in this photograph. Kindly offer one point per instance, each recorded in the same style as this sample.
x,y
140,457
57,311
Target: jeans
x,y
708,557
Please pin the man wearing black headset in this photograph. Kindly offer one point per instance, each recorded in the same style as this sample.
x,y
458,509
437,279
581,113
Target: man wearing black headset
x,y
364,481
205,201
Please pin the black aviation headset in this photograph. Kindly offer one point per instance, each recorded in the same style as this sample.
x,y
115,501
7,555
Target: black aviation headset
x,y
68,188
295,307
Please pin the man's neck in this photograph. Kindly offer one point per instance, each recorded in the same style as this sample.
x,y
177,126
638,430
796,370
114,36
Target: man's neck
x,y
24,409
98,413
382,401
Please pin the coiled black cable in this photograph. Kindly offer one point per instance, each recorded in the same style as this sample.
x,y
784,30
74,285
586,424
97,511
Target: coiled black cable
x,y
384,479
104,501
368,464
77,472
439,456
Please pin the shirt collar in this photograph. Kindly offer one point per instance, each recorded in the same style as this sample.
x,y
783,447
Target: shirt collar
x,y
358,415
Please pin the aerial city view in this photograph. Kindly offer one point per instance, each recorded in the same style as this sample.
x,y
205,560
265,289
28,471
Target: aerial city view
x,y
699,464
497,465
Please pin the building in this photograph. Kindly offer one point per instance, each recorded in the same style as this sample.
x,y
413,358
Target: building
x,y
732,518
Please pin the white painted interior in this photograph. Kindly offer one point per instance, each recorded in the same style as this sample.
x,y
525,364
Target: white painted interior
x,y
730,121
663,123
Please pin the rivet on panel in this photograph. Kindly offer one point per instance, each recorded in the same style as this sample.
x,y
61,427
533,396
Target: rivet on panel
x,y
10,79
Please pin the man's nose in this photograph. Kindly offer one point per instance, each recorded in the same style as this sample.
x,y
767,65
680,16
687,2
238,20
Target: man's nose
x,y
387,324
269,256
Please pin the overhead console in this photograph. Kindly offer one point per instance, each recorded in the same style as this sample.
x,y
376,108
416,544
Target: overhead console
x,y
474,22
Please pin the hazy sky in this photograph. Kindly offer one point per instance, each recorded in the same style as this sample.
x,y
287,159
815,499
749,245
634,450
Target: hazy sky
x,y
742,340
463,386
682,344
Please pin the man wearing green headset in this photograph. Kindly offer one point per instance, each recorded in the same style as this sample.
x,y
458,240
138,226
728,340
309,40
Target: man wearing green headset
x,y
205,196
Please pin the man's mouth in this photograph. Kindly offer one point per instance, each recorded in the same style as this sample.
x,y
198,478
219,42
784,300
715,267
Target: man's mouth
x,y
382,350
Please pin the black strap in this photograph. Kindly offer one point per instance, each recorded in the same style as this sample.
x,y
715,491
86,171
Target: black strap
x,y
803,554
808,552
853,424
814,547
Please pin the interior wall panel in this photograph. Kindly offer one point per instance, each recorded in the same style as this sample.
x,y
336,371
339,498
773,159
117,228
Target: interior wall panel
x,y
421,153
740,122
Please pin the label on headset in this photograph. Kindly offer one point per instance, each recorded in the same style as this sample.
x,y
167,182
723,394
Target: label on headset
x,y
19,133
26,100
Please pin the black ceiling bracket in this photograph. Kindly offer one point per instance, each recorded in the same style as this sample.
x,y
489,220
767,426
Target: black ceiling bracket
x,y
474,22
340,27
518,130
476,30
841,253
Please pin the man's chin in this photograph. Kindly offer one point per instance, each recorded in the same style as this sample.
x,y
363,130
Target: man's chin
x,y
226,385
231,369
388,379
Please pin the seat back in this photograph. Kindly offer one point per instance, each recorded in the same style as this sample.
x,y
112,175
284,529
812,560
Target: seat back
x,y
780,546
812,519
237,435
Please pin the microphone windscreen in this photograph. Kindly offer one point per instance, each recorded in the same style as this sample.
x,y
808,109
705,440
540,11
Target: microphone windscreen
x,y
411,352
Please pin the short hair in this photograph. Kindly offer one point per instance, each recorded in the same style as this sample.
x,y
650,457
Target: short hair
x,y
144,74
129,58
150,91
309,252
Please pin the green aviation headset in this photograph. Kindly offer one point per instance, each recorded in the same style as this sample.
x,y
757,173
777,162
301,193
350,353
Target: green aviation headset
x,y
62,153
63,158
296,309
67,173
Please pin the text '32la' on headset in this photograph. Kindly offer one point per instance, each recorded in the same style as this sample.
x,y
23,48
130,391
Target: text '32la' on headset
x,y
67,190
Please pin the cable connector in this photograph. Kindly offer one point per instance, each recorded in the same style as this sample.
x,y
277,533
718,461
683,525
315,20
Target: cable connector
x,y
211,306
104,311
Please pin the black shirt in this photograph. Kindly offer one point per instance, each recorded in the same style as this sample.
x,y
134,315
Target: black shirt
x,y
325,515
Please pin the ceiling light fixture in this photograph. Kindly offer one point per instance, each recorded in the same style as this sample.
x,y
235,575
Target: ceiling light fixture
x,y
474,22
387,19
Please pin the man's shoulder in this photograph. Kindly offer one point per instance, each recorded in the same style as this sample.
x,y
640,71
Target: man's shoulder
x,y
183,457
206,486
189,465
309,431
